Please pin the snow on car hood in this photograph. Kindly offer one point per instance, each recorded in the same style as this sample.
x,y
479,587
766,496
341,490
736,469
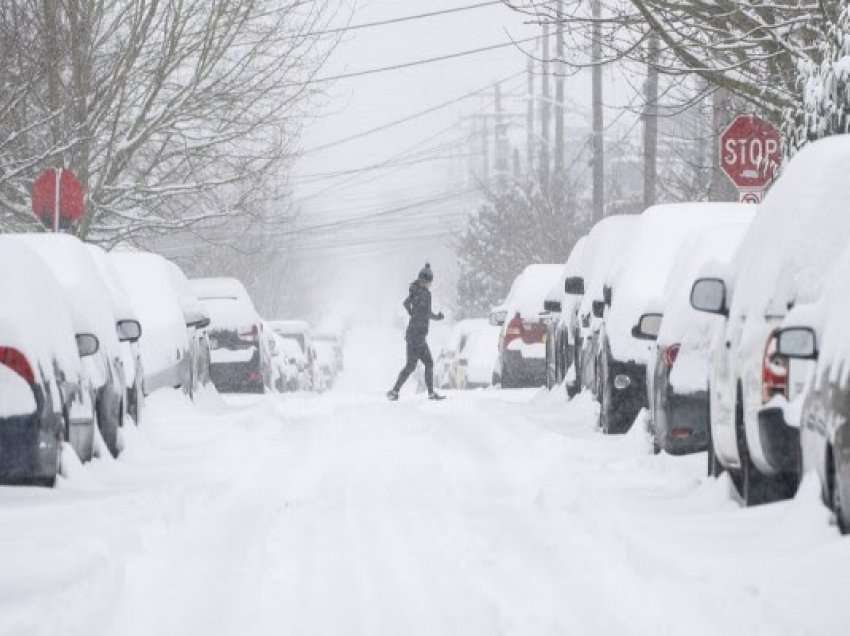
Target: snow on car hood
x,y
799,232
146,278
529,289
86,294
639,283
34,315
605,246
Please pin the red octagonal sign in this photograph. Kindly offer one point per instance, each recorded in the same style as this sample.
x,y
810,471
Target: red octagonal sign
x,y
57,197
750,152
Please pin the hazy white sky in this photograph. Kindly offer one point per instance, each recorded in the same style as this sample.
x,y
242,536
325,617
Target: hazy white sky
x,y
391,248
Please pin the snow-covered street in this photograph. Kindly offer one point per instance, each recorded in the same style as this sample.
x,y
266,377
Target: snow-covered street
x,y
491,513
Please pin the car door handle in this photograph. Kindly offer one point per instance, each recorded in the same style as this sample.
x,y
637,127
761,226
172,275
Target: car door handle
x,y
728,344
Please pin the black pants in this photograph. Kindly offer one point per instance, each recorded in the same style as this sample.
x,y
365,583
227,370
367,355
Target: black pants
x,y
417,350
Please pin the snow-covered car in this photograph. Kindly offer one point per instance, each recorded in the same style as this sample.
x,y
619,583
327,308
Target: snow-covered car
x,y
445,367
197,320
334,343
45,397
636,289
793,243
239,361
164,344
478,357
817,334
522,346
606,243
300,332
91,310
562,318
326,361
129,331
296,361
678,366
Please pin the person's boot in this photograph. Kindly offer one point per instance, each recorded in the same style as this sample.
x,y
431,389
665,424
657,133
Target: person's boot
x,y
433,395
392,395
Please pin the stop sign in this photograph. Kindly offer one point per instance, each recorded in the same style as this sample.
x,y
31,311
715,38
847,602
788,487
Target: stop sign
x,y
750,152
52,206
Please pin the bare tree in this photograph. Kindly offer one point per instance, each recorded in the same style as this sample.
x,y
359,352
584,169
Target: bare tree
x,y
173,114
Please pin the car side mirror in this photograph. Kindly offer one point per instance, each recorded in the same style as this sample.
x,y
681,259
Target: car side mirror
x,y
648,327
87,344
797,342
497,318
607,295
552,306
574,285
200,323
128,330
709,295
598,308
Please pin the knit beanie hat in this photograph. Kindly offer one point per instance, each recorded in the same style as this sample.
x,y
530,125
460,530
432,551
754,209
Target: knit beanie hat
x,y
425,274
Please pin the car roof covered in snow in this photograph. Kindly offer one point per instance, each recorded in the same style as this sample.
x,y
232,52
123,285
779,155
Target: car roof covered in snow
x,y
227,301
529,289
220,287
86,293
716,244
641,278
122,307
571,268
190,304
34,315
799,232
148,283
463,328
604,249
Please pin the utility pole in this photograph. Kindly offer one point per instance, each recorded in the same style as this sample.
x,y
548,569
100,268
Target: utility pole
x,y
650,123
598,123
529,119
500,140
485,153
545,115
559,98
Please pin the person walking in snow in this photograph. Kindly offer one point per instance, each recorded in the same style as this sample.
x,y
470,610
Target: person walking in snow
x,y
418,306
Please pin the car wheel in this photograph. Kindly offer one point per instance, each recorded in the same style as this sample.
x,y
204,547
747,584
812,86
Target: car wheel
x,y
714,467
836,501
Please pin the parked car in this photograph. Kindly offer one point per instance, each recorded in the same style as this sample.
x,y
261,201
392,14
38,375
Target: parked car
x,y
334,343
299,331
562,320
197,320
164,345
636,289
607,242
129,332
296,358
522,346
791,246
678,365
445,373
45,397
326,361
478,357
89,300
285,368
240,362
816,334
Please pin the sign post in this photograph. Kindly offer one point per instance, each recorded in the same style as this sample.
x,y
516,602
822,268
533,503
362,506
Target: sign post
x,y
750,155
57,198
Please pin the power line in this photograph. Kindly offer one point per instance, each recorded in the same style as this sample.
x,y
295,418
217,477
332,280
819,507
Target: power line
x,y
408,118
407,18
403,65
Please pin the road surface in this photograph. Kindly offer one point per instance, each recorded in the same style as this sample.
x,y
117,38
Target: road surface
x,y
491,513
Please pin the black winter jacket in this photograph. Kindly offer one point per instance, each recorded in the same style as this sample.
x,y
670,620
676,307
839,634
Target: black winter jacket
x,y
418,306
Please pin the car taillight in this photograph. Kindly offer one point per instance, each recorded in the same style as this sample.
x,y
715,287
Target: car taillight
x,y
670,355
774,372
513,330
251,333
17,362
